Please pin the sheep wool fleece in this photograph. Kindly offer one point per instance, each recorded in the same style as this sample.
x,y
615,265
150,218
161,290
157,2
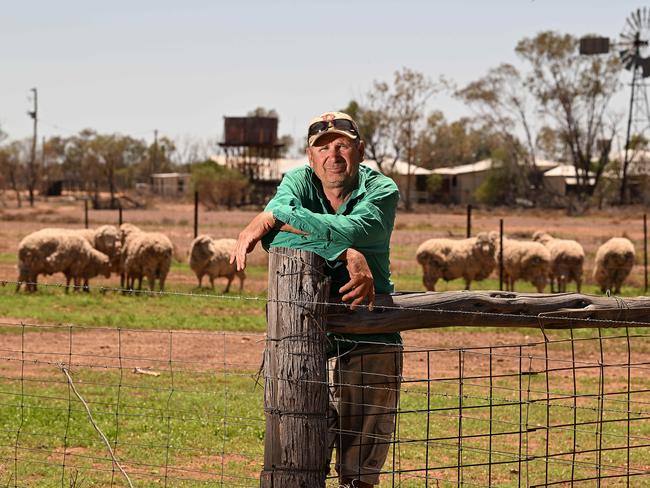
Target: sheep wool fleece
x,y
364,222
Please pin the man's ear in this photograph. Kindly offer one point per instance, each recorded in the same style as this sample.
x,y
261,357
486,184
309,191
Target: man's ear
x,y
362,150
308,153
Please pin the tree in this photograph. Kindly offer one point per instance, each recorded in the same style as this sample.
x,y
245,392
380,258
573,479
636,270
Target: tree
x,y
574,92
376,126
503,102
569,94
462,141
392,117
218,185
113,153
12,168
411,92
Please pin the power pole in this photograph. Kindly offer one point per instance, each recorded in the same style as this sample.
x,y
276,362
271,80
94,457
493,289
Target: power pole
x,y
32,163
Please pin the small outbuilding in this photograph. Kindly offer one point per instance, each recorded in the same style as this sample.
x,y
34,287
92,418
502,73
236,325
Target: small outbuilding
x,y
170,184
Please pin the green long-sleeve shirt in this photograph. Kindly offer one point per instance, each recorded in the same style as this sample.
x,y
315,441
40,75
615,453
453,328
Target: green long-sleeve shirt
x,y
364,222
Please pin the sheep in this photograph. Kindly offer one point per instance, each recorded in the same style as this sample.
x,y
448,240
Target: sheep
x,y
50,251
144,254
472,259
125,231
104,238
614,261
567,259
524,260
211,257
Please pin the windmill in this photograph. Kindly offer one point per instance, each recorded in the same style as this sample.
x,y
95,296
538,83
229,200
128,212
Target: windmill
x,y
634,51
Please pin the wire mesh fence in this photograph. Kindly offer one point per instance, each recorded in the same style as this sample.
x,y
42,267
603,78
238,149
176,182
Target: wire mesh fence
x,y
116,406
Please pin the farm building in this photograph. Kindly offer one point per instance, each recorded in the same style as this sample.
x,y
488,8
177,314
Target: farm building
x,y
459,183
170,184
562,180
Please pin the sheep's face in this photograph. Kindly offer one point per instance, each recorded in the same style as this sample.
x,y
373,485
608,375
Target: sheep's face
x,y
485,245
542,237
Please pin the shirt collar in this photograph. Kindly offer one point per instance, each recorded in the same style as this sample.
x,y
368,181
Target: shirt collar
x,y
360,189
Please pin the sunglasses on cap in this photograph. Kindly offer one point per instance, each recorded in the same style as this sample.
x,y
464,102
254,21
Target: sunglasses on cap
x,y
324,125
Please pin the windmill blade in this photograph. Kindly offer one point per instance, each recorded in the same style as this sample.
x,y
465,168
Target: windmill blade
x,y
630,25
625,56
637,19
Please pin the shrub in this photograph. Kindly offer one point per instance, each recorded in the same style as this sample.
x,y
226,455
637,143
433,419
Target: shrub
x,y
218,186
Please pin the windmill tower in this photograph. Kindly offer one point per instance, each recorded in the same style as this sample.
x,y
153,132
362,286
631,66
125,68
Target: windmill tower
x,y
633,48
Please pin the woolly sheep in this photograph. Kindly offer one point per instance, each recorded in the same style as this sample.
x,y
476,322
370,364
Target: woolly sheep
x,y
211,257
144,254
472,259
567,259
50,251
524,260
614,261
105,239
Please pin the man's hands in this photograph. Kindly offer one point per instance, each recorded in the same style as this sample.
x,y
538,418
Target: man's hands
x,y
361,284
250,236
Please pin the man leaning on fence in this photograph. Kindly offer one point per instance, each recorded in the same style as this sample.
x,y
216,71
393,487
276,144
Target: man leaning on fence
x,y
344,212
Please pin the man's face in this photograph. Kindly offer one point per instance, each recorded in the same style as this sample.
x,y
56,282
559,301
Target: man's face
x,y
335,159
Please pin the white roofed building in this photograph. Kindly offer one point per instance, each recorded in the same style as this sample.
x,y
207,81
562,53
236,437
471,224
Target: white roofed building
x,y
459,183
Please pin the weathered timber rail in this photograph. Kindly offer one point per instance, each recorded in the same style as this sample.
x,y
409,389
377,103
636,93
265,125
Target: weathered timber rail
x,y
423,310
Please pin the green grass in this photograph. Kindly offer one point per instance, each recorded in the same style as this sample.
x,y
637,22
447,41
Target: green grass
x,y
187,420
207,312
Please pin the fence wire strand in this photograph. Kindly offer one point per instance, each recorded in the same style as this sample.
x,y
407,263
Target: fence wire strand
x,y
147,405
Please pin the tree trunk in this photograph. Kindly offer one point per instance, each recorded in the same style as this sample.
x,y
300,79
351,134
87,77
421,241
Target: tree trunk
x,y
295,370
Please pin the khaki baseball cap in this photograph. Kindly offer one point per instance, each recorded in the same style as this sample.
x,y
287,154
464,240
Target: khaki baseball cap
x,y
331,122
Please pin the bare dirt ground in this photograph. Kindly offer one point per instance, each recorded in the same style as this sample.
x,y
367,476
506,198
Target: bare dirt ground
x,y
176,220
40,352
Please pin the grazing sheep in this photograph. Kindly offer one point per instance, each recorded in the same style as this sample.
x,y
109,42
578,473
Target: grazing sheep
x,y
211,257
105,239
144,254
472,259
50,251
125,231
614,261
524,260
567,259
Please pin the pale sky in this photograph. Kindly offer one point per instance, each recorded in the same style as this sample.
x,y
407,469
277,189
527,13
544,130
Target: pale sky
x,y
180,67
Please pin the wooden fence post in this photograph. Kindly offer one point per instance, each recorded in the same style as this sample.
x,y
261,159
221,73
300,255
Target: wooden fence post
x,y
196,214
469,220
295,371
86,213
500,254
645,253
119,215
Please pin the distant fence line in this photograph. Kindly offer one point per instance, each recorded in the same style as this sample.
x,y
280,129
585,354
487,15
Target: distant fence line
x,y
468,233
